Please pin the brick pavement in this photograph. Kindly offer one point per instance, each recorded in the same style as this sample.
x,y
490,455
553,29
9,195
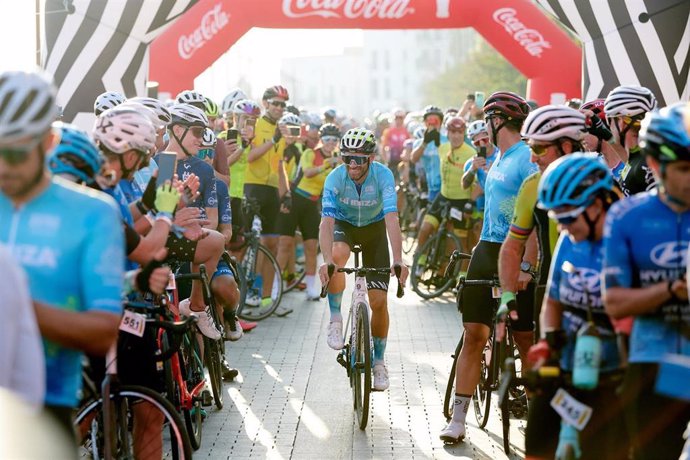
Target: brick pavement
x,y
292,399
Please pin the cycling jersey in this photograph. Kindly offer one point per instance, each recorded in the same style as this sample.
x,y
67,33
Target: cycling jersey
x,y
645,243
69,241
394,137
636,176
576,292
237,170
452,167
526,215
432,165
311,187
224,210
376,196
208,197
503,181
264,170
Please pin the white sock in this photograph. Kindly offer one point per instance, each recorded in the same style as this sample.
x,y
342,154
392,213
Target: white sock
x,y
461,404
310,280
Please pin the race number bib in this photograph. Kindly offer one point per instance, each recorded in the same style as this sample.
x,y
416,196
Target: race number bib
x,y
571,410
133,323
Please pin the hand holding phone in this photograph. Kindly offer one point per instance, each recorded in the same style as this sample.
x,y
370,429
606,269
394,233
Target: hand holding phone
x,y
294,131
167,163
482,152
231,135
479,99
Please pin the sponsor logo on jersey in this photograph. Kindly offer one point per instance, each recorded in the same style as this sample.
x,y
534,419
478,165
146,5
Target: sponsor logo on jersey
x,y
670,254
585,280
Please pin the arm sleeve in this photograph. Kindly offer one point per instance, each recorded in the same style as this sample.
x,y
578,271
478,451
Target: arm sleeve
x,y
617,271
329,201
102,265
388,194
554,282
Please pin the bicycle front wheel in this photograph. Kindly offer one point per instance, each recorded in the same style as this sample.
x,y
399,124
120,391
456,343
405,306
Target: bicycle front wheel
x,y
213,356
193,374
449,399
502,352
136,410
482,393
259,312
361,366
429,264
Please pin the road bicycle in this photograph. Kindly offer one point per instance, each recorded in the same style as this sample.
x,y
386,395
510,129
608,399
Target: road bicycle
x,y
356,355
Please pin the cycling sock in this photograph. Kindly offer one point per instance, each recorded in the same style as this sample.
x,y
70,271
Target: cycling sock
x,y
379,349
461,404
310,281
334,305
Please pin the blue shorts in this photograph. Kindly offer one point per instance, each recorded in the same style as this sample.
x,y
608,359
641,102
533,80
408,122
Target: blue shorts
x,y
223,269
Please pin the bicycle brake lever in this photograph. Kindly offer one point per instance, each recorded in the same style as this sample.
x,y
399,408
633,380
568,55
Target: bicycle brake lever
x,y
324,288
398,270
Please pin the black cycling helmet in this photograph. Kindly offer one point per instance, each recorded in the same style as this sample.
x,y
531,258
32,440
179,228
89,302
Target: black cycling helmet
x,y
432,110
329,129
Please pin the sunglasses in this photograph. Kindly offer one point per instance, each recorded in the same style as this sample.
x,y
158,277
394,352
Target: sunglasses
x,y
452,130
206,153
197,131
567,217
17,155
540,150
479,142
277,103
632,122
329,139
358,159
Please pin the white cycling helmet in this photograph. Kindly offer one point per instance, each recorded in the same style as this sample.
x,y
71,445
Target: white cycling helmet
x,y
107,100
27,105
552,122
476,127
246,107
188,115
229,101
141,108
209,138
191,97
358,140
157,106
123,129
629,100
290,119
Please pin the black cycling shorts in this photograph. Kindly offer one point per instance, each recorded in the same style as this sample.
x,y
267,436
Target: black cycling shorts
x,y
180,249
477,304
437,207
303,214
374,242
237,218
269,202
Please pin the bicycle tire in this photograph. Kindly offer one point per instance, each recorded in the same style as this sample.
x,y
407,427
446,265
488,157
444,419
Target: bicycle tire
x,y
406,218
193,417
361,372
213,358
241,282
178,442
250,313
434,263
448,399
482,393
502,353
300,274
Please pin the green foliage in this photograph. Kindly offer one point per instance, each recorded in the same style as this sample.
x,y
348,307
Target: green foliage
x,y
485,69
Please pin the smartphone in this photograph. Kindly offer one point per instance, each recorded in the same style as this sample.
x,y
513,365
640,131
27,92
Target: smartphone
x,y
231,135
294,131
479,98
249,122
167,163
482,152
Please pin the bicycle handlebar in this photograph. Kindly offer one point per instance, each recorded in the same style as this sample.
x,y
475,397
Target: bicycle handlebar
x,y
454,258
361,271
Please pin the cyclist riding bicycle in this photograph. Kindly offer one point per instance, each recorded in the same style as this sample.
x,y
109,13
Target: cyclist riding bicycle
x,y
576,191
427,149
645,245
359,207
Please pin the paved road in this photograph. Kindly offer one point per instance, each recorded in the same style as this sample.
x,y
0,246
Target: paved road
x,y
293,400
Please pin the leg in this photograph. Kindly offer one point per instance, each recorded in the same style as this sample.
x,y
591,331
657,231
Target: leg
x,y
336,286
266,269
310,254
285,246
148,440
208,252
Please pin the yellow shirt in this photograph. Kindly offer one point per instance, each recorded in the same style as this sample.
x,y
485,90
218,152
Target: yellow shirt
x,y
264,170
452,169
313,186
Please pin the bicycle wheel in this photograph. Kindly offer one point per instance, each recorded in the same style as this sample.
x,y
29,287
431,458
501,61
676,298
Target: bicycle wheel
x,y
174,439
259,312
361,372
193,374
407,219
297,278
448,399
501,355
482,393
427,280
241,281
213,357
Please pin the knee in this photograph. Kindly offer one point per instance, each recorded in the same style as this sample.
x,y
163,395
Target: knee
x,y
340,255
475,338
377,299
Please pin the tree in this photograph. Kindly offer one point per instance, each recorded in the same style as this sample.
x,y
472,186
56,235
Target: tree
x,y
485,69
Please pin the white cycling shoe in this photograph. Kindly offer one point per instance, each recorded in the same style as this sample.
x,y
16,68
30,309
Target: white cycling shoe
x,y
381,381
204,321
453,433
335,335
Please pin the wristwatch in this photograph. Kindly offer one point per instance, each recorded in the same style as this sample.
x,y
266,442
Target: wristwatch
x,y
528,268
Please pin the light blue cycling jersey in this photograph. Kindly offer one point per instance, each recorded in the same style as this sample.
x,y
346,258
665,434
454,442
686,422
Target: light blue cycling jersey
x,y
481,175
70,242
646,242
342,201
432,165
575,291
503,181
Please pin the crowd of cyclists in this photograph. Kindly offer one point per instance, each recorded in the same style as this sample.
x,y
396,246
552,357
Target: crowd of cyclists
x,y
581,210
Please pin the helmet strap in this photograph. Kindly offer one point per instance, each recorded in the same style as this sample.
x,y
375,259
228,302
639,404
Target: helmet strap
x,y
494,131
180,139
621,133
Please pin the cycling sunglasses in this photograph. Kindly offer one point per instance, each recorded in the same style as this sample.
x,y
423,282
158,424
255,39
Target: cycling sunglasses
x,y
17,155
358,159
206,153
197,131
480,142
277,103
567,217
329,139
540,150
633,122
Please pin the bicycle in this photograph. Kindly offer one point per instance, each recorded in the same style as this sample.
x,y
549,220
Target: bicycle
x,y
108,429
356,356
255,252
409,215
435,255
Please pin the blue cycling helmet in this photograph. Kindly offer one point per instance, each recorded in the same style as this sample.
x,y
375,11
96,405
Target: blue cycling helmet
x,y
574,180
76,154
665,135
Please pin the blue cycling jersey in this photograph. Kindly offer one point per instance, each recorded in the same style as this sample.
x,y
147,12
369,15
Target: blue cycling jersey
x,y
70,242
645,243
502,184
208,197
481,176
224,212
577,290
432,165
342,201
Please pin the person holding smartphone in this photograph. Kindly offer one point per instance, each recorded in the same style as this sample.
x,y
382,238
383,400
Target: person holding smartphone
x,y
426,149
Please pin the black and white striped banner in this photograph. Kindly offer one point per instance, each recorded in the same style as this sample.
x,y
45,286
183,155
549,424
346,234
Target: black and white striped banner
x,y
102,46
641,42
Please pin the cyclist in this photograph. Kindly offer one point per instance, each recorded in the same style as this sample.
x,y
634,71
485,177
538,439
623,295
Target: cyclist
x,y
576,191
453,155
359,207
427,149
505,113
107,100
392,141
552,131
645,244
235,94
67,239
598,135
625,107
315,165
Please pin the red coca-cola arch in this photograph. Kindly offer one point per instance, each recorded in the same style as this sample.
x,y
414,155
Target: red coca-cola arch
x,y
518,29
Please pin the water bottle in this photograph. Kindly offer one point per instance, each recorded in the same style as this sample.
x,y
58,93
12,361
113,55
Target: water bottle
x,y
587,357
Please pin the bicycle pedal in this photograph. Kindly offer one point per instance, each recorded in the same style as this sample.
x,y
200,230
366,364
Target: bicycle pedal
x,y
341,360
206,398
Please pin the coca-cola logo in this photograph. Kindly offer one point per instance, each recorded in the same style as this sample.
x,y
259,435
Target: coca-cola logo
x,y
351,9
530,39
211,23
